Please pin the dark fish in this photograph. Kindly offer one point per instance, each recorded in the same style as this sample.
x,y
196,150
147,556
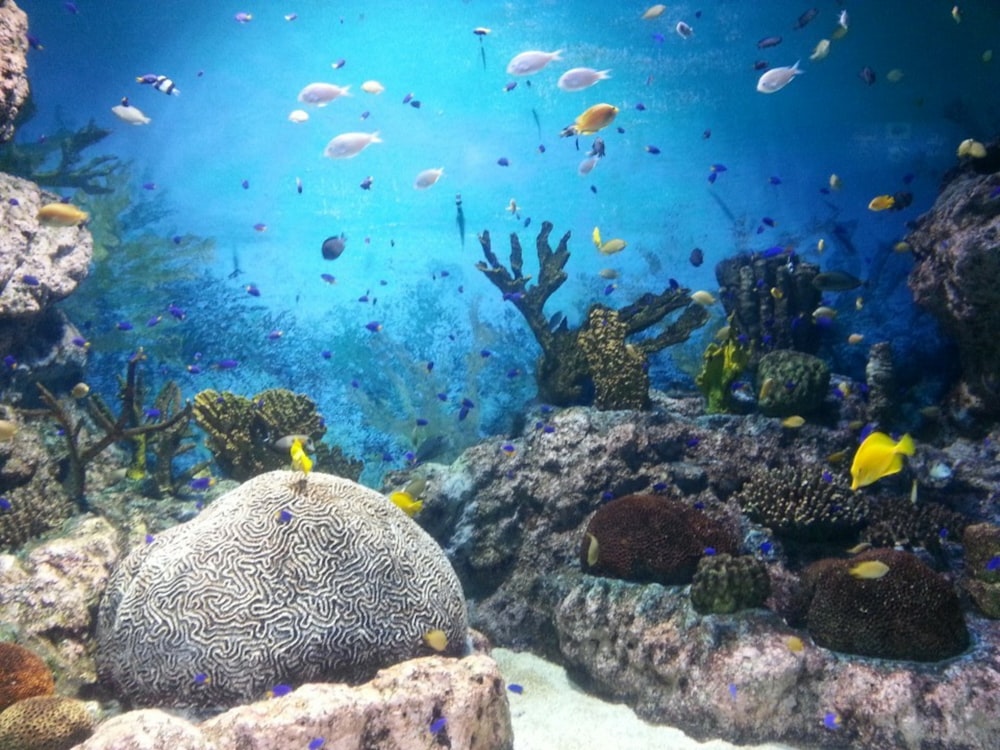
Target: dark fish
x,y
760,64
867,75
538,123
510,86
640,106
652,150
503,161
769,41
835,281
805,18
697,257
460,218
333,247
415,103
597,149
366,184
706,134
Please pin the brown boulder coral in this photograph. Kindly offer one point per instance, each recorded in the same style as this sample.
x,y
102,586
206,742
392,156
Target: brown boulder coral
x,y
651,539
893,608
23,674
51,722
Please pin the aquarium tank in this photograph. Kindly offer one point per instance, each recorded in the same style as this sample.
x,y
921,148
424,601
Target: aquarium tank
x,y
605,321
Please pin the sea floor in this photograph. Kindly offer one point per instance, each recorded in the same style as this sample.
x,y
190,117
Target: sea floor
x,y
554,714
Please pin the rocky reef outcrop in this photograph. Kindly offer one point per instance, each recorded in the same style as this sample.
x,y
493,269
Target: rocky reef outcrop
x,y
957,250
13,66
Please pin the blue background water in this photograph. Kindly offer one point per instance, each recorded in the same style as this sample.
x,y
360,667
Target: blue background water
x,y
239,82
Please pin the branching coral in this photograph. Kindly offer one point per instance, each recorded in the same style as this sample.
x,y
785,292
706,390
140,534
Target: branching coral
x,y
28,160
584,365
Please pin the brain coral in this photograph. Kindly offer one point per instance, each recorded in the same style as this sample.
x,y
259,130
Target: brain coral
x,y
23,674
908,613
650,538
51,722
286,579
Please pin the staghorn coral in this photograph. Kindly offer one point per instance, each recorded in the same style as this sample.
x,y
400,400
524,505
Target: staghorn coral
x,y
650,538
721,365
911,612
573,367
802,504
241,431
799,383
724,584
23,674
51,722
30,160
287,578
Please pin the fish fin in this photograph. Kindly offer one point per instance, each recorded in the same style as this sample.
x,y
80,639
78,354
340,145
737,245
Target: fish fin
x,y
905,446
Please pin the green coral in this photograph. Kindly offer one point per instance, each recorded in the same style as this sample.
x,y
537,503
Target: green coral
x,y
724,584
792,383
618,369
721,366
242,431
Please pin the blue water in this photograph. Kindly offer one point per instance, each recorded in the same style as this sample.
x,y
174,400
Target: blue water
x,y
239,82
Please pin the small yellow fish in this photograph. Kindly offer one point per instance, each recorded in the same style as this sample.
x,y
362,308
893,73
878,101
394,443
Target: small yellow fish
x,y
405,502
821,245
795,644
80,390
8,430
777,293
612,246
931,412
793,422
835,182
855,338
869,570
595,237
913,492
591,120
855,424
703,298
879,456
843,388
902,247
766,389
836,458
821,51
300,460
61,215
593,551
436,639
858,548
653,11
859,302
881,203
972,148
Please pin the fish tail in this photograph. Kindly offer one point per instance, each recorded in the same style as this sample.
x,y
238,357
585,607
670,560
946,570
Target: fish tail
x,y
905,446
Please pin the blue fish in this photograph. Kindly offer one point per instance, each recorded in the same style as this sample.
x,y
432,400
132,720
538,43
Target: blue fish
x,y
316,743
993,564
515,688
280,690
831,720
5,504
438,725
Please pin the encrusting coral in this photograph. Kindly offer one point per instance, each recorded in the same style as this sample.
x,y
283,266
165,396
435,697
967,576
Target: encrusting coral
x,y
647,538
724,584
52,722
23,674
242,432
583,366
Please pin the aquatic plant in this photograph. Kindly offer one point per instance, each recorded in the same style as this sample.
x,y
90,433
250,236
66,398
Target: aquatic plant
x,y
242,432
575,366
29,160
721,366
125,427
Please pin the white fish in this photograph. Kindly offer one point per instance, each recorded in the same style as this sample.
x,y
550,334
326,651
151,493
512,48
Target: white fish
x,y
821,51
298,115
531,62
683,30
777,78
322,94
577,79
654,11
132,115
427,178
346,145
587,165
372,87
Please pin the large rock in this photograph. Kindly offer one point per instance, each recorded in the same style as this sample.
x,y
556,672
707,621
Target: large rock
x,y
287,579
957,250
400,708
13,66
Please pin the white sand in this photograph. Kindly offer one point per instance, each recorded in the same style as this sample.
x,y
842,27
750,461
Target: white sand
x,y
553,714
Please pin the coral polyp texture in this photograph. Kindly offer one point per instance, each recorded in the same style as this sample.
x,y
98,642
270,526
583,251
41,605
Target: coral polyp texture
x,y
724,584
884,603
649,538
23,674
51,722
289,578
800,382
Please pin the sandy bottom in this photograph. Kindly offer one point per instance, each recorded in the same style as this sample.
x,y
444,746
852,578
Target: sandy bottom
x,y
553,714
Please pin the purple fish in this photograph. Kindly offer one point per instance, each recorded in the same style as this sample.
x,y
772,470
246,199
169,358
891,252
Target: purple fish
x,y
769,41
30,280
510,86
5,504
281,690
252,290
438,725
515,688
227,364
200,484
242,17
123,325
867,75
503,161
374,326
14,202
654,150
316,743
154,321
71,8
245,184
149,186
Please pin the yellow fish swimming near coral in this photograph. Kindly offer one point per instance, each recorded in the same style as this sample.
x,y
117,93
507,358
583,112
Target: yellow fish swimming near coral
x,y
879,456
300,460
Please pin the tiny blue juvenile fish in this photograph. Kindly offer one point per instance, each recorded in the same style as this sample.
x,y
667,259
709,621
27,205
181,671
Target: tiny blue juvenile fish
x,y
515,688
438,725
5,504
200,484
30,280
993,564
831,721
652,150
280,690
284,516
317,743
503,161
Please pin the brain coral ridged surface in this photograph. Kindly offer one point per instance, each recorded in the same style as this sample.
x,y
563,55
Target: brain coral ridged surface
x,y
286,579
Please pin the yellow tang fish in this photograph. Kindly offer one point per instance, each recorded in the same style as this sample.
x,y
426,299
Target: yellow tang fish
x,y
591,120
879,456
61,215
595,237
869,569
436,639
405,502
612,246
300,461
795,644
881,203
